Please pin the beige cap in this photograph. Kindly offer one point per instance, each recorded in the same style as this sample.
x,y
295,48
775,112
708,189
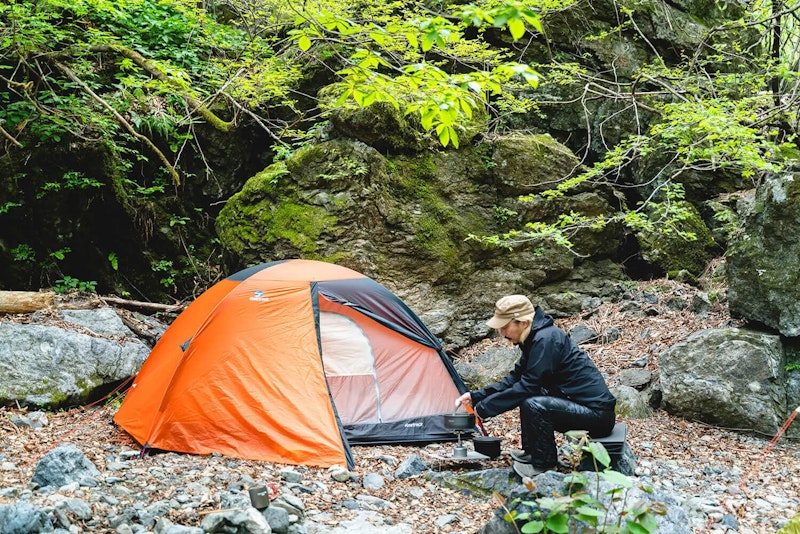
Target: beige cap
x,y
509,308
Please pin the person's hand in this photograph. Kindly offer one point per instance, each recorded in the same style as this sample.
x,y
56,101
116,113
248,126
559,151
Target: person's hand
x,y
464,400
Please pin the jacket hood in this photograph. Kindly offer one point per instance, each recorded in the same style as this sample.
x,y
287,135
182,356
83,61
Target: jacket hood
x,y
540,319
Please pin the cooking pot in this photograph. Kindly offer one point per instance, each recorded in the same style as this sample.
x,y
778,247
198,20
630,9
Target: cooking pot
x,y
459,421
488,445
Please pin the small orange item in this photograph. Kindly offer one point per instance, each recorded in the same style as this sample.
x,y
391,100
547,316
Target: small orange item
x,y
469,409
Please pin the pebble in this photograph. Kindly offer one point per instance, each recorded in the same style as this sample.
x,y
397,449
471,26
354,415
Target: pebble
x,y
130,496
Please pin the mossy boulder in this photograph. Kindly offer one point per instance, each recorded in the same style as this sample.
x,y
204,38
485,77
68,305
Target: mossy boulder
x,y
763,281
664,246
392,130
405,220
525,164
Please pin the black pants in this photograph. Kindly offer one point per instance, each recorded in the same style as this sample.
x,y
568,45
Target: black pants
x,y
540,417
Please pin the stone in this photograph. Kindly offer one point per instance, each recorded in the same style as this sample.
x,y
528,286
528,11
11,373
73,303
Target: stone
x,y
63,465
730,377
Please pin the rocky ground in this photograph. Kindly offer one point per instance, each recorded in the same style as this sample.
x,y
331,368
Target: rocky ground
x,y
727,480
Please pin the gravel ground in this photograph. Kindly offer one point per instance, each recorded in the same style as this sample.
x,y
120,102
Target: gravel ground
x,y
728,480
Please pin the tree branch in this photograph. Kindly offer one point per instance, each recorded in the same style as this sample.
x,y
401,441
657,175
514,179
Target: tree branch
x,y
137,305
9,137
195,104
72,76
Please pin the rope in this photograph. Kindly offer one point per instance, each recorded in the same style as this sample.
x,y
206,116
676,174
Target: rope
x,y
75,429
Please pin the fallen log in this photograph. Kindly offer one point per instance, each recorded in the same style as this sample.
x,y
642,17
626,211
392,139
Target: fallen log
x,y
25,301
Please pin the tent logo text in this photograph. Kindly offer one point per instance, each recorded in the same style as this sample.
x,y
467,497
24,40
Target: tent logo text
x,y
258,296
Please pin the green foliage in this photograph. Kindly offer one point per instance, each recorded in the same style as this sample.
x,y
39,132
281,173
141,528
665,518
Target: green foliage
x,y
167,272
73,180
501,215
23,252
582,503
68,283
139,75
386,60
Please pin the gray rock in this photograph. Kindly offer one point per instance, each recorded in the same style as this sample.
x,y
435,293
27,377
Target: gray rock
x,y
103,321
290,503
635,378
763,284
63,465
150,513
373,481
480,483
78,508
278,519
582,333
411,466
365,522
731,377
489,366
290,475
249,521
631,404
339,473
23,518
44,364
165,526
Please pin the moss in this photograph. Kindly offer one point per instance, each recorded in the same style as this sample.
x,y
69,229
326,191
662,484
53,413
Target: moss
x,y
436,224
671,251
264,182
300,225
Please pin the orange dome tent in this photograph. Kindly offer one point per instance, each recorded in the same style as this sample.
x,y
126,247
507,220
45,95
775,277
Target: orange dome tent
x,y
291,362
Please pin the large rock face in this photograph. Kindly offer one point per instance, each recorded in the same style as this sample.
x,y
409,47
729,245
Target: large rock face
x,y
406,220
764,282
730,377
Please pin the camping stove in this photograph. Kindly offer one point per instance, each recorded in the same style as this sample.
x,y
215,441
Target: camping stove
x,y
460,451
459,423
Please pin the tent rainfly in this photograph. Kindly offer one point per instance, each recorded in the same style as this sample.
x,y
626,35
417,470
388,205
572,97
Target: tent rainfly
x,y
291,362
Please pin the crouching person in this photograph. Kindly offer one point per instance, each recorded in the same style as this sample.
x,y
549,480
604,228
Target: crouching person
x,y
554,383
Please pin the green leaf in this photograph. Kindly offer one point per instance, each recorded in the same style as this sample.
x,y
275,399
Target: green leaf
x,y
426,119
588,511
343,98
304,43
475,87
599,452
517,28
615,478
558,523
532,527
444,134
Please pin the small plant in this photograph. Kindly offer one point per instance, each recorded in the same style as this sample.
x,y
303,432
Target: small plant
x,y
564,513
23,252
68,283
166,266
793,366
5,208
71,181
501,215
115,400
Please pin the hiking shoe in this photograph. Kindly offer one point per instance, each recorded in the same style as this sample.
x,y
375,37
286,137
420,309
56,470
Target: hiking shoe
x,y
521,457
529,470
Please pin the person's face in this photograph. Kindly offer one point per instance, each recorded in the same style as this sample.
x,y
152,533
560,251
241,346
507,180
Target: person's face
x,y
513,330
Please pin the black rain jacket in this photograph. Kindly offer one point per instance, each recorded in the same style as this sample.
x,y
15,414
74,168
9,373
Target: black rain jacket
x,y
551,364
